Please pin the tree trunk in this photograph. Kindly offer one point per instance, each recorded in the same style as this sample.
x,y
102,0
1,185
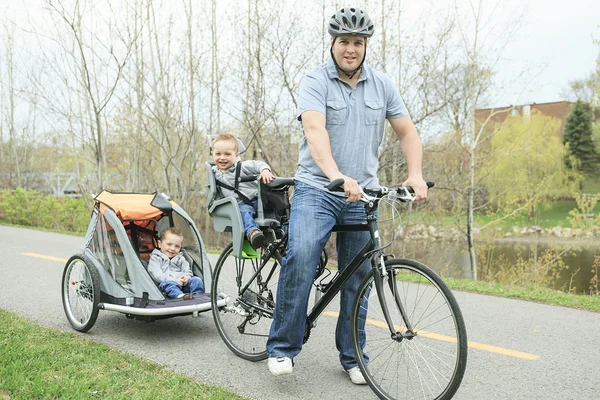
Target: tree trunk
x,y
470,222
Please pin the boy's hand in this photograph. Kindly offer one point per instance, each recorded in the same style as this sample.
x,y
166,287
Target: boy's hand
x,y
181,280
266,176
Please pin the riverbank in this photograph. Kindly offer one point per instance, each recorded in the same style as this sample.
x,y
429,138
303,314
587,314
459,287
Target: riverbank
x,y
536,294
531,234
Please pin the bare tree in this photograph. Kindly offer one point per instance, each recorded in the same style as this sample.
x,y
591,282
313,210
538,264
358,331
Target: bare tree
x,y
89,52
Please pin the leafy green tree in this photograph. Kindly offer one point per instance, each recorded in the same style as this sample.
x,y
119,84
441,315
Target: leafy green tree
x,y
522,170
581,153
596,135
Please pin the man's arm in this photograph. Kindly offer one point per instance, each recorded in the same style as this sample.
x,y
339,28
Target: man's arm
x,y
413,153
317,138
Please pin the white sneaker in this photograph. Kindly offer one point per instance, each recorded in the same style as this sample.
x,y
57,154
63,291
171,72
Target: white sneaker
x,y
356,376
280,365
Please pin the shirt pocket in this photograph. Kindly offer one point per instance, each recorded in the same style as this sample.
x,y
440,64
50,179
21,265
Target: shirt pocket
x,y
373,112
337,112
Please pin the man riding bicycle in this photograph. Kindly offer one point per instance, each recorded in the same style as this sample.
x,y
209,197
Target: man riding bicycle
x,y
343,104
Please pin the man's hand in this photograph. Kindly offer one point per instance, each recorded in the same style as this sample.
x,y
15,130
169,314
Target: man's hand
x,y
419,186
351,188
266,176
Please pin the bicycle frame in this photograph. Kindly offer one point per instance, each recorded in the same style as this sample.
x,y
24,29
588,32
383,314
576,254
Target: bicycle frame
x,y
371,250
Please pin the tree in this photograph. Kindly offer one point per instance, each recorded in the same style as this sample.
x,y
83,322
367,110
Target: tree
x,y
581,154
477,55
97,62
522,164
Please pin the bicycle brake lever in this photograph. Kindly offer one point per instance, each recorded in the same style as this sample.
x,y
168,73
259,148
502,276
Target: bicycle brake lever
x,y
402,193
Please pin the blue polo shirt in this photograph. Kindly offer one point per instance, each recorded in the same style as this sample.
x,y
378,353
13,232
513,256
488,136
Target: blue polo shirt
x,y
355,120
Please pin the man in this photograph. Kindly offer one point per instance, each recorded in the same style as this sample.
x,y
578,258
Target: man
x,y
343,105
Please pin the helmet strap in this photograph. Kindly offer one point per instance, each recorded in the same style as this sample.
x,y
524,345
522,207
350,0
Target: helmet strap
x,y
350,74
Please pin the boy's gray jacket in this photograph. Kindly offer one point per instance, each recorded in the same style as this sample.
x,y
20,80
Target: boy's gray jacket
x,y
161,268
248,189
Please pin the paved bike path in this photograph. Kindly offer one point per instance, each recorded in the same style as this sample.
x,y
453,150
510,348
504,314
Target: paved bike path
x,y
521,350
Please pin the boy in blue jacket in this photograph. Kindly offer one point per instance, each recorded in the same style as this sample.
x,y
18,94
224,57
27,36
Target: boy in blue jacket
x,y
169,268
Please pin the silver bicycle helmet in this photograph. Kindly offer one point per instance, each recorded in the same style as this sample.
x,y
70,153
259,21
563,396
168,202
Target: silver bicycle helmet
x,y
351,21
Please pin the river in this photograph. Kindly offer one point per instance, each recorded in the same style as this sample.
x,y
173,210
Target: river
x,y
451,259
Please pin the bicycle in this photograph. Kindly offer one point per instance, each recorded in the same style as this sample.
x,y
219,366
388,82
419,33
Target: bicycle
x,y
416,339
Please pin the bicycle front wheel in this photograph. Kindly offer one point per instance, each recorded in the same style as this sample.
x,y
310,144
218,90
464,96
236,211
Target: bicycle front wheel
x,y
424,355
248,287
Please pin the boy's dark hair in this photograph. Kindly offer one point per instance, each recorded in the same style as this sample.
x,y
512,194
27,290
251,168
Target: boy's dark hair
x,y
172,230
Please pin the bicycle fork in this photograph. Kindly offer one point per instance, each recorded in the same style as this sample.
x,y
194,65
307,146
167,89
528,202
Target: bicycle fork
x,y
381,278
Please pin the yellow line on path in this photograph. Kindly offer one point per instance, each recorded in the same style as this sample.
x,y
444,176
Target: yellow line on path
x,y
471,344
44,257
431,335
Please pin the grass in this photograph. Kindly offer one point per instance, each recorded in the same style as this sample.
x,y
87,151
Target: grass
x,y
43,229
548,215
531,293
538,294
42,363
592,184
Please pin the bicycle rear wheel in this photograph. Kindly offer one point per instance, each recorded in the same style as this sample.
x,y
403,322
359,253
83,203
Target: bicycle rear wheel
x,y
81,292
425,362
245,320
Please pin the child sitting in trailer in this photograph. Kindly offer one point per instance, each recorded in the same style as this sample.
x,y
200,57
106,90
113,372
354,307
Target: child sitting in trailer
x,y
169,268
228,168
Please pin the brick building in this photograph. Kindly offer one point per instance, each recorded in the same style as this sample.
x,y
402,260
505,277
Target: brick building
x,y
557,109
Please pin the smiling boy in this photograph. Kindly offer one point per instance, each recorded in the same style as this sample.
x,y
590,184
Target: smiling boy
x,y
228,167
169,268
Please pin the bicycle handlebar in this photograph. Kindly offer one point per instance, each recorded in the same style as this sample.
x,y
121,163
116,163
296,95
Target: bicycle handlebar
x,y
405,193
275,183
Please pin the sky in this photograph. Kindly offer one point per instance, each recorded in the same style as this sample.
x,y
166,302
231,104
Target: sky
x,y
554,42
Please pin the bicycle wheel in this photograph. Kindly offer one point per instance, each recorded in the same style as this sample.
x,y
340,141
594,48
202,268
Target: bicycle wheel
x,y
244,321
425,362
81,293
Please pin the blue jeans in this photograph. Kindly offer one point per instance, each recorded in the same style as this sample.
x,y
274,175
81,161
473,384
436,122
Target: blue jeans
x,y
173,289
314,213
248,212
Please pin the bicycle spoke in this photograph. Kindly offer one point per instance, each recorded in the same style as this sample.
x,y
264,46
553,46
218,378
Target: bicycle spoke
x,y
426,362
250,287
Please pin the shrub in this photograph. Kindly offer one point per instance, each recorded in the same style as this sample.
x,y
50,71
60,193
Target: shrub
x,y
31,208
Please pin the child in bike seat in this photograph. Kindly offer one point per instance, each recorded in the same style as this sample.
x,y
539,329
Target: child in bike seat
x,y
228,168
169,268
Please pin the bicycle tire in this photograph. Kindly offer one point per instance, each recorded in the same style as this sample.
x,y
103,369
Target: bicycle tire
x,y
245,320
81,292
428,365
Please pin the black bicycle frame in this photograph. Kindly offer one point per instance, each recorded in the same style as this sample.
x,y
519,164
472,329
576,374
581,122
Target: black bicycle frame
x,y
340,280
